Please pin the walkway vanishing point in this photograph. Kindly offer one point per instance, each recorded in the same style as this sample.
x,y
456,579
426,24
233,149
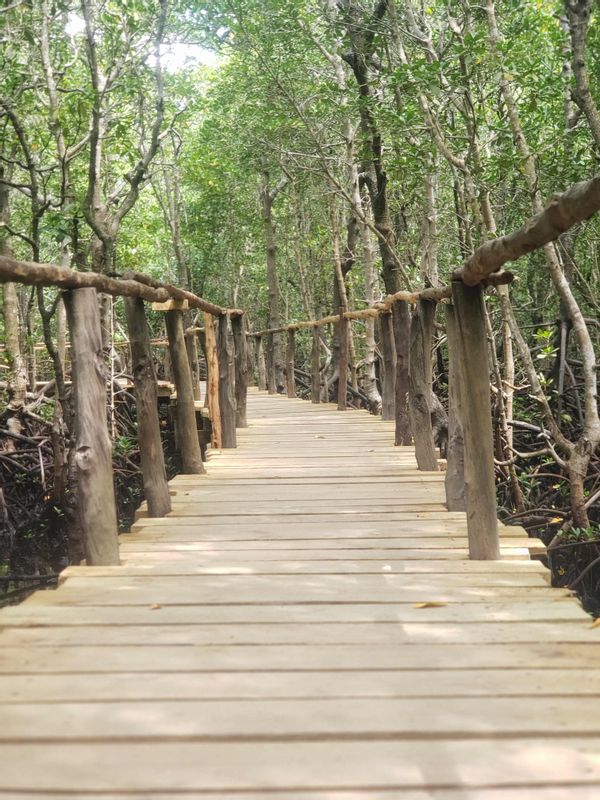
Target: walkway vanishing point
x,y
305,626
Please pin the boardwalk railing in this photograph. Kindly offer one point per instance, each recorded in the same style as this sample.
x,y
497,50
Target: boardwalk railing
x,y
93,449
406,392
404,389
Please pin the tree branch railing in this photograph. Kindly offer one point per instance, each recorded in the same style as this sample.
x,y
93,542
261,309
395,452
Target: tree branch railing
x,y
92,456
227,366
470,469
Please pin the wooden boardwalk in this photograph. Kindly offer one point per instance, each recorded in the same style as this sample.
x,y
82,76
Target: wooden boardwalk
x,y
305,626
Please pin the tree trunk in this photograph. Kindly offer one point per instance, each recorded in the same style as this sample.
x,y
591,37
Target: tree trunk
x,y
240,341
480,485
420,384
93,452
187,430
226,383
156,488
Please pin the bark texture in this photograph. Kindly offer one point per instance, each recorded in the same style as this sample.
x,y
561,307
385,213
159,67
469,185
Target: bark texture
x,y
93,452
420,384
187,431
480,486
156,489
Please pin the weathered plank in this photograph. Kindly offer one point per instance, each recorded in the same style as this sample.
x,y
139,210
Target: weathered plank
x,y
306,625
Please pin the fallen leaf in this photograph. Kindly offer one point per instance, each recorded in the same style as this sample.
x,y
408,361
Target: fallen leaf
x,y
555,520
319,437
430,604
596,623
155,606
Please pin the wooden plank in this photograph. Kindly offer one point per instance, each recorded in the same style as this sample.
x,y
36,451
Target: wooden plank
x,y
570,792
559,609
215,564
204,658
327,634
278,588
345,718
156,686
391,765
275,637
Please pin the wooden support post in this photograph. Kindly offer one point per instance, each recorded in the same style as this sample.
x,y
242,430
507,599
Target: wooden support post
x,y
401,325
290,363
388,353
420,384
187,431
226,383
271,381
482,519
343,340
212,363
93,452
251,355
191,346
315,371
240,341
202,340
261,367
454,478
156,488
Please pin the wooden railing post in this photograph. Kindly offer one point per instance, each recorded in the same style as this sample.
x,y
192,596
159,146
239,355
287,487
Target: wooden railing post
x,y
212,364
420,384
401,326
226,383
271,380
156,488
343,340
290,363
191,346
93,452
454,478
240,342
388,354
482,519
251,359
315,369
261,367
187,431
